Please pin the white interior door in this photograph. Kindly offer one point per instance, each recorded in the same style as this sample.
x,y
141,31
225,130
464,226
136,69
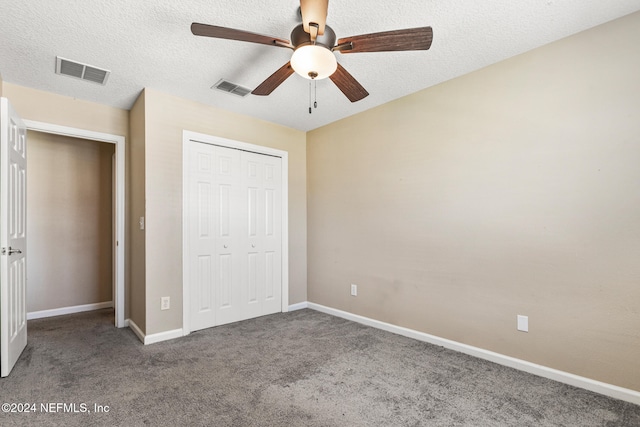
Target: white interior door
x,y
213,200
261,273
233,215
13,237
200,230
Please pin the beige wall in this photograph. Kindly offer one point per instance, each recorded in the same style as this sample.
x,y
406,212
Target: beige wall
x,y
511,190
69,195
166,118
136,203
33,104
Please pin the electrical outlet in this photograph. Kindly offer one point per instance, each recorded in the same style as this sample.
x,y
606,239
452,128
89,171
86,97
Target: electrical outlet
x,y
523,323
141,223
165,303
354,290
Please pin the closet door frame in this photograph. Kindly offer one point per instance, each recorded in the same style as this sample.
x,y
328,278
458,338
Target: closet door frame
x,y
188,136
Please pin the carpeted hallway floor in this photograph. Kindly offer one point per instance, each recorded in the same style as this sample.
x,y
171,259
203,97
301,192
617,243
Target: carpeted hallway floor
x,y
302,368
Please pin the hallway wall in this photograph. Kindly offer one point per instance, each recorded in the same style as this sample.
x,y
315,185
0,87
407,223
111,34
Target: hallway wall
x,y
69,222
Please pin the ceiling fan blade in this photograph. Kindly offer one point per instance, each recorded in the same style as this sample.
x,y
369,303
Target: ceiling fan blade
x,y
348,85
314,11
240,35
274,80
408,39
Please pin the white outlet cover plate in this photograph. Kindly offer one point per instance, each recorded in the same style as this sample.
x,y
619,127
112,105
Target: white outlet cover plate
x,y
523,323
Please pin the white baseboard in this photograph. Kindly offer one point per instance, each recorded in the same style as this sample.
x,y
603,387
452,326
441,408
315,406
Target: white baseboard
x,y
136,329
610,390
163,336
298,306
69,310
153,338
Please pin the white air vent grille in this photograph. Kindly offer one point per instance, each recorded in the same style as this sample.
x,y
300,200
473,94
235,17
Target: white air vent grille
x,y
227,86
82,71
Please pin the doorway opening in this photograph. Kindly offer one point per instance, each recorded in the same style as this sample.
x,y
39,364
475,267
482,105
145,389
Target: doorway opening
x,y
116,170
70,223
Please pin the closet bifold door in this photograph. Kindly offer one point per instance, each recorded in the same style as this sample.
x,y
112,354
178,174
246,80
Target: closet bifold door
x,y
234,215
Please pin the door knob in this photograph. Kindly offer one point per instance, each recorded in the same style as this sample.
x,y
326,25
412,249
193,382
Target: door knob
x,y
10,251
225,246
253,246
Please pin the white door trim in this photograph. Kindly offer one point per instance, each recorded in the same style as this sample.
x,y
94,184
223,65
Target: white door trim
x,y
119,141
229,143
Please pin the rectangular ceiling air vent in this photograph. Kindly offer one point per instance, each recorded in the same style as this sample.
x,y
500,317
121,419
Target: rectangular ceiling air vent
x,y
81,71
227,86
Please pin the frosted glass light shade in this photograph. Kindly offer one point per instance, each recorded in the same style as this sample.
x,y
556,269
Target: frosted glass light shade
x,y
314,62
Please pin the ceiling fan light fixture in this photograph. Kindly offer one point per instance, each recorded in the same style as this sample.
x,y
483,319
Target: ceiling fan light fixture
x,y
314,62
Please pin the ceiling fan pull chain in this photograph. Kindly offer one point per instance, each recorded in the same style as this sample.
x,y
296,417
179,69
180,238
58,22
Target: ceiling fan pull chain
x,y
315,94
310,98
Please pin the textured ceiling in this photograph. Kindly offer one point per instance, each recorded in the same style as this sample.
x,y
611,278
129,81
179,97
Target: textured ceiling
x,y
149,44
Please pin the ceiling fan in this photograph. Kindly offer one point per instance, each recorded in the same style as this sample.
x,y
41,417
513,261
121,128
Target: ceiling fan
x,y
314,42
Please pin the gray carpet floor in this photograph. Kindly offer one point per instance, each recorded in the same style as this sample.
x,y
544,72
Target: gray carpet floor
x,y
302,368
